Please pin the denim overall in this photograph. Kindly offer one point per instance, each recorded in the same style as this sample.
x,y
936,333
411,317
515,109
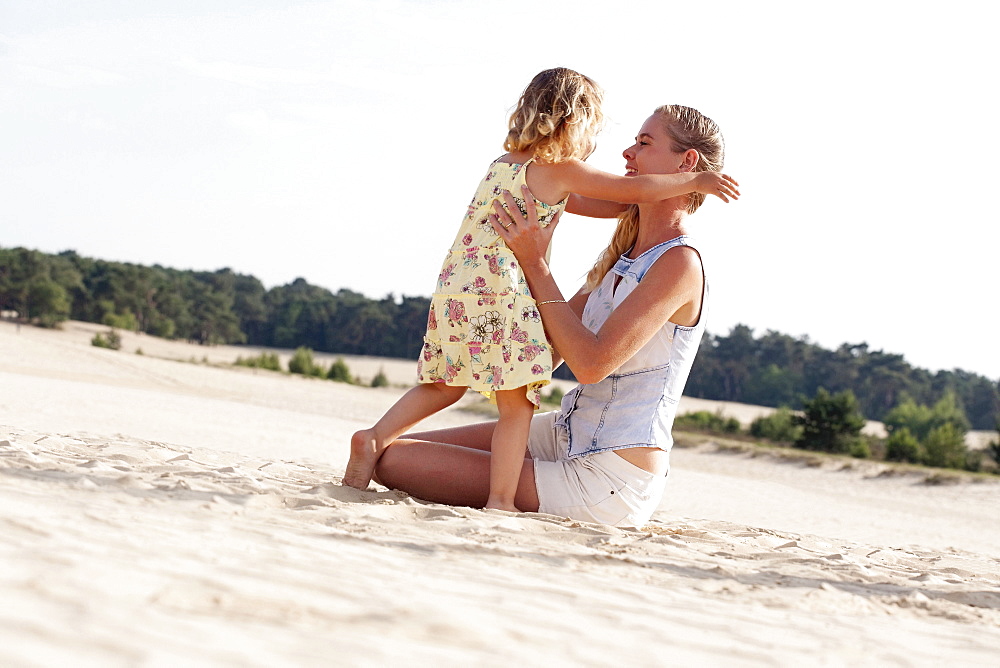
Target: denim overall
x,y
635,405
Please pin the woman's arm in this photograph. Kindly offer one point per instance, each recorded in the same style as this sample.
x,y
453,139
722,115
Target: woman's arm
x,y
576,304
673,284
576,176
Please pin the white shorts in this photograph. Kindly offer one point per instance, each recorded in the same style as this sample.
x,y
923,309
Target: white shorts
x,y
601,487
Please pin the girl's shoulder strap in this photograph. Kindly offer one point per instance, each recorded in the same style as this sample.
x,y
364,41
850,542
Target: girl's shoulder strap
x,y
516,165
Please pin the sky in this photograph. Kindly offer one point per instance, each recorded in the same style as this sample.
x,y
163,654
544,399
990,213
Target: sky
x,y
340,142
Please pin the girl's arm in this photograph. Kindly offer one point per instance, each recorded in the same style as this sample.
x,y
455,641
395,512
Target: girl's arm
x,y
576,176
593,208
674,283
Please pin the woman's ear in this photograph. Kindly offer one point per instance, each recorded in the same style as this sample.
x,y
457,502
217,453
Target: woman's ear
x,y
689,160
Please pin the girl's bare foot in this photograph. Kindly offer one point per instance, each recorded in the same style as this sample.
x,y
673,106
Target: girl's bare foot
x,y
365,451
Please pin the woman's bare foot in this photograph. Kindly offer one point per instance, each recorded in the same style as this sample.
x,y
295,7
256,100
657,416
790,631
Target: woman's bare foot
x,y
365,451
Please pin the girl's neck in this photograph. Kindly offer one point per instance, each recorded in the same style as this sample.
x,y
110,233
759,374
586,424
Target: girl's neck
x,y
659,222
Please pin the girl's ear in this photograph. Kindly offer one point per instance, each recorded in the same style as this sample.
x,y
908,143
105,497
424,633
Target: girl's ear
x,y
690,160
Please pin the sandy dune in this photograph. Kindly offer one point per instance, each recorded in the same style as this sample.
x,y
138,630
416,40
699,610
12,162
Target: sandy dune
x,y
156,512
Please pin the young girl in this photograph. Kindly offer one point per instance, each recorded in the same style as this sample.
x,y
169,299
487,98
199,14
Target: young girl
x,y
484,330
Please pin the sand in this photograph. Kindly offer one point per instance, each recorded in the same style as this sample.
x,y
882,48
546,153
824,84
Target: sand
x,y
164,512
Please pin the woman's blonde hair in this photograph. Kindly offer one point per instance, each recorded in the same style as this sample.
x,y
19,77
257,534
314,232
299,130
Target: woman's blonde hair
x,y
557,117
688,128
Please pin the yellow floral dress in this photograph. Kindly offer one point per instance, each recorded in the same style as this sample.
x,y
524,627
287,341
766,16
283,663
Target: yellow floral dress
x,y
484,330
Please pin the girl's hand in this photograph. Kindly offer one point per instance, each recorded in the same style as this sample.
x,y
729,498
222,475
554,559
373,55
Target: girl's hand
x,y
718,184
523,235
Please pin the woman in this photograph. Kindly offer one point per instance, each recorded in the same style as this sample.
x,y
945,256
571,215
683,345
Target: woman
x,y
629,335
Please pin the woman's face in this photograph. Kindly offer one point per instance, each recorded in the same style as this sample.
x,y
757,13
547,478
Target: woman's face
x,y
652,151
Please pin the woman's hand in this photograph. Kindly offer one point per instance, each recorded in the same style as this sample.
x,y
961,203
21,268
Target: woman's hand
x,y
523,235
721,185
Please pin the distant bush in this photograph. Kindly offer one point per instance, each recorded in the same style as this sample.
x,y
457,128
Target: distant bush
x,y
921,419
110,340
555,396
779,426
903,446
268,361
163,327
339,372
48,302
993,450
380,379
860,450
126,321
830,423
302,362
974,460
708,421
945,447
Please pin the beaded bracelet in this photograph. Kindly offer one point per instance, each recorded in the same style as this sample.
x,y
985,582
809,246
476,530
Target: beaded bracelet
x,y
551,301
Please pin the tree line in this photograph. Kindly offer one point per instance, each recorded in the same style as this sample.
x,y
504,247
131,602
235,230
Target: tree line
x,y
215,307
916,434
775,369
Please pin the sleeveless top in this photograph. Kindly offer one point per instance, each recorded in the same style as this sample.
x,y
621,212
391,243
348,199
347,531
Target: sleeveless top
x,y
483,329
634,406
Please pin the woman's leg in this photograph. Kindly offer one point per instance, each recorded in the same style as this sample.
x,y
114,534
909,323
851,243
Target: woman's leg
x,y
450,466
510,443
367,445
477,436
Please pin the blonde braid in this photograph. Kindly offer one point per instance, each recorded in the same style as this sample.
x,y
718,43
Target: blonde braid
x,y
623,238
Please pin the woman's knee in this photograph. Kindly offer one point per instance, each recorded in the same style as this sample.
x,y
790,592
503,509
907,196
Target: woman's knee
x,y
387,466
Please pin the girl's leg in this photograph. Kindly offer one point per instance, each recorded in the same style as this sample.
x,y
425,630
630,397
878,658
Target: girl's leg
x,y
367,445
510,442
456,473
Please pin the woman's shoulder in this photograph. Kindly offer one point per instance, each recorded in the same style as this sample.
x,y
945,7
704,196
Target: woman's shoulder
x,y
677,265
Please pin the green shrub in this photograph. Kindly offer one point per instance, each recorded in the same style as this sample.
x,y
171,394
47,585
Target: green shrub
x,y
909,415
110,340
708,421
921,420
860,450
902,446
945,447
163,327
974,460
380,379
48,302
126,321
302,362
778,426
993,450
554,397
268,361
49,320
339,372
830,422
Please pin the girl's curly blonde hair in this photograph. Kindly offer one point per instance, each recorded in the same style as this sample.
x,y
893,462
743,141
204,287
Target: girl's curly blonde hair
x,y
557,117
688,128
